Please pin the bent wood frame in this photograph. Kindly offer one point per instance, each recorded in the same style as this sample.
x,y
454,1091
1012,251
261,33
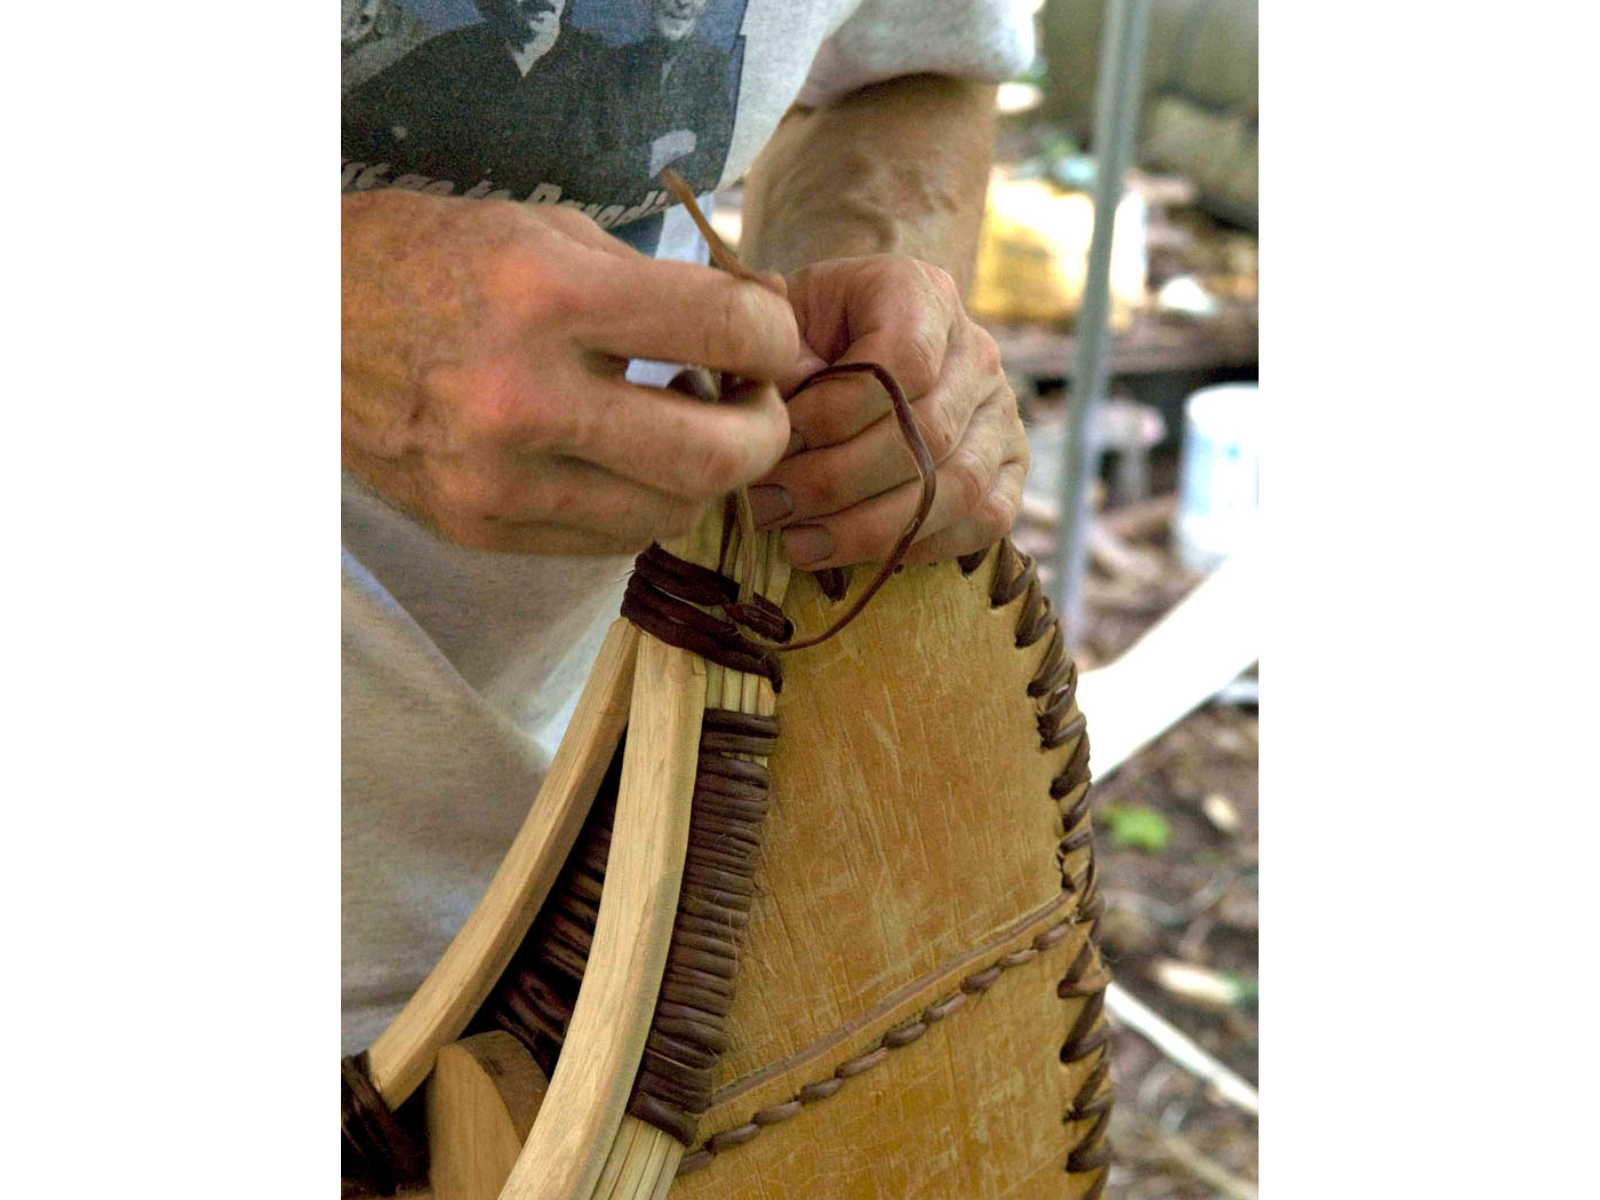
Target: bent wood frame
x,y
582,1145
582,1124
404,1053
581,1140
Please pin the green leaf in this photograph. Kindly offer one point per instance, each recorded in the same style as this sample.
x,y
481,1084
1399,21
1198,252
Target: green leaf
x,y
1136,827
1249,989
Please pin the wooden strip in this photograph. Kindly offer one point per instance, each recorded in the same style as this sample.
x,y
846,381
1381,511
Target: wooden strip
x,y
483,1096
583,1109
404,1053
1196,649
669,1172
742,692
716,684
638,1158
1172,1042
620,1149
657,1159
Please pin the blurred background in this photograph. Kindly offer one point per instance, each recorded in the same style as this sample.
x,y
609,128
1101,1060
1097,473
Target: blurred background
x,y
1169,491
1173,498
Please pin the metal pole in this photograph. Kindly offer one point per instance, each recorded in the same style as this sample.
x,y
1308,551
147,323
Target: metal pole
x,y
1116,116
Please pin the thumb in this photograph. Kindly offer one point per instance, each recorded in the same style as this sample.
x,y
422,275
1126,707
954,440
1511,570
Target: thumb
x,y
806,365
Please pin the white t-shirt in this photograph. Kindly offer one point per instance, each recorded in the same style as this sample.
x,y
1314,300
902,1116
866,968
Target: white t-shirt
x,y
461,667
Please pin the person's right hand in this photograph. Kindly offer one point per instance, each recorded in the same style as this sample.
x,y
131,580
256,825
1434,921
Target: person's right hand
x,y
484,349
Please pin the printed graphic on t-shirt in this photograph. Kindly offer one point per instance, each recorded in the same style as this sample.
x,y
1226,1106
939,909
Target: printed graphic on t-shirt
x,y
574,102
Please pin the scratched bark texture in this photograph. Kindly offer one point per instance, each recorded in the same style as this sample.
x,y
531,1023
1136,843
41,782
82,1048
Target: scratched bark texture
x,y
912,844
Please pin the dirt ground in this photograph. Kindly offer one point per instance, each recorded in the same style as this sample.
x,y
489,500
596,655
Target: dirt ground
x,y
1195,902
1181,926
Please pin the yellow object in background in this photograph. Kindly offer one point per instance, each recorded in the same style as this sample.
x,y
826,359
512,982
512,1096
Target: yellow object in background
x,y
1033,255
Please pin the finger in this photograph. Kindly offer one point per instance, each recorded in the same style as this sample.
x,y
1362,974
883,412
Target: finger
x,y
835,477
832,411
866,532
888,309
775,283
415,491
919,345
514,490
682,312
543,537
573,224
675,444
982,528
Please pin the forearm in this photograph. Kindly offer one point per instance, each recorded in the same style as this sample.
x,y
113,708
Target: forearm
x,y
902,166
880,199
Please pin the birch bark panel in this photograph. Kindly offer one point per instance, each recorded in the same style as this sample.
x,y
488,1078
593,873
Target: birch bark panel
x,y
912,818
971,1110
912,823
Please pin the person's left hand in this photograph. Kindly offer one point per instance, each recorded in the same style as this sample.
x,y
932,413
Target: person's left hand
x,y
847,487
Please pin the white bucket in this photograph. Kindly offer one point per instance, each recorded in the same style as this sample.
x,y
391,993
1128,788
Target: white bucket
x,y
1218,481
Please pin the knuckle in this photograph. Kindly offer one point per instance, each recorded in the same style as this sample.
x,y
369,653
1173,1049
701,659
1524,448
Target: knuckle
x,y
506,214
828,421
997,513
939,431
496,492
545,293
581,421
530,282
678,518
944,284
969,478
986,350
727,332
924,359
713,466
562,218
823,487
490,402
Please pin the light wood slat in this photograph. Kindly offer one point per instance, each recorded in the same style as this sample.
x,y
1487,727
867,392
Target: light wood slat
x,y
404,1053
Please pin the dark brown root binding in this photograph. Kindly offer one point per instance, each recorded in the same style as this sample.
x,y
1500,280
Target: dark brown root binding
x,y
661,597
534,998
376,1154
1054,688
688,1033
834,582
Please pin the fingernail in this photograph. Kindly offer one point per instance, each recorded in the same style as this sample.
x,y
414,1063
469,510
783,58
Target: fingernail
x,y
796,443
770,503
806,544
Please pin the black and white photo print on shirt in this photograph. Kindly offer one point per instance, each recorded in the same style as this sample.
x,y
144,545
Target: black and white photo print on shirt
x,y
575,102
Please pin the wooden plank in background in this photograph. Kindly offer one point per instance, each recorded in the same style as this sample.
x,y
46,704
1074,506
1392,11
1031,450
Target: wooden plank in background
x,y
1152,345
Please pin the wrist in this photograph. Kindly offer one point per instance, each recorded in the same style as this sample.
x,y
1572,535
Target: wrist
x,y
899,167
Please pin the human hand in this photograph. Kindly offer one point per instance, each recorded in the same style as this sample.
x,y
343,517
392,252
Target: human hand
x,y
484,351
847,488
